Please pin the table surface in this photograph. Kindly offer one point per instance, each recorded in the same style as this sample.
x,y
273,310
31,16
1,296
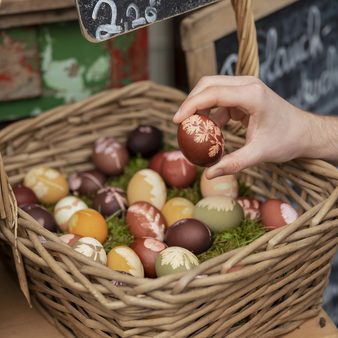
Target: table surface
x,y
17,320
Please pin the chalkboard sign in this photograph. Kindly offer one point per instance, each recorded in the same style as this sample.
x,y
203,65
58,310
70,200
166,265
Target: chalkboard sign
x,y
298,47
104,19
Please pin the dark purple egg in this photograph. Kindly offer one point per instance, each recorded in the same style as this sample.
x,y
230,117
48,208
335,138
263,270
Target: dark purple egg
x,y
145,140
110,201
190,234
24,195
86,182
42,216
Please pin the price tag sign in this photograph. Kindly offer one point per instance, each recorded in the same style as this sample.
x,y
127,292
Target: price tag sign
x,y
103,19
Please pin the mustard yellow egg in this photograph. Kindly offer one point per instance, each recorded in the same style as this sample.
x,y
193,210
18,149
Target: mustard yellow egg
x,y
88,223
48,184
176,209
123,259
147,186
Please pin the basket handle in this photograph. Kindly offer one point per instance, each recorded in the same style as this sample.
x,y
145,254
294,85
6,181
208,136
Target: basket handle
x,y
8,215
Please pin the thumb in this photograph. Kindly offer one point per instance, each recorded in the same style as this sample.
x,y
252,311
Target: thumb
x,y
236,161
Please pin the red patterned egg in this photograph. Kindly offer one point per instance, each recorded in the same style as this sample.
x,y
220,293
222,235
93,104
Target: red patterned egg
x,y
156,162
148,249
276,213
177,171
144,220
251,207
200,140
86,182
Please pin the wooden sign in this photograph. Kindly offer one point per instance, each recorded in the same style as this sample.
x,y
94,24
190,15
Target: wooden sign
x,y
104,19
298,47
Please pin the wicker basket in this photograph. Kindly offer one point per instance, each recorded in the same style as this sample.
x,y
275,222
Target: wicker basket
x,y
282,275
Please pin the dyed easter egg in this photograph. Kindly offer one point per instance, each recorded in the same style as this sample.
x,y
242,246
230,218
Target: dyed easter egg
x,y
220,186
156,161
24,195
89,223
48,184
174,260
219,213
42,216
86,182
145,140
110,156
148,249
147,186
70,239
145,220
123,258
251,208
200,140
65,209
177,171
177,208
276,213
190,234
91,248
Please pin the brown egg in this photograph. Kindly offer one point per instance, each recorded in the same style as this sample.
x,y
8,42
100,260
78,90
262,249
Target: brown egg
x,y
190,234
24,195
42,216
110,156
200,140
110,201
251,208
144,220
276,213
177,171
148,249
156,162
86,182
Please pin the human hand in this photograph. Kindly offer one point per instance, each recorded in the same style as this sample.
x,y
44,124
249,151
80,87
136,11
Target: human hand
x,y
276,130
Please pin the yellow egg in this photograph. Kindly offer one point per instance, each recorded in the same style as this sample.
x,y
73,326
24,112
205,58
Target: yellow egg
x,y
177,208
123,259
88,223
147,186
48,184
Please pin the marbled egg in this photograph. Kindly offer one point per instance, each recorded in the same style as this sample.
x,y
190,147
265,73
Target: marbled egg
x,y
48,184
190,234
148,249
70,239
200,140
174,260
145,140
110,156
145,220
220,186
42,216
86,182
156,161
147,186
177,171
123,258
65,209
219,213
110,201
276,213
24,195
251,207
91,248
177,208
89,223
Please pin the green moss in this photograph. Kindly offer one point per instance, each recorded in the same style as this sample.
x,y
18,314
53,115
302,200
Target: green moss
x,y
244,190
232,239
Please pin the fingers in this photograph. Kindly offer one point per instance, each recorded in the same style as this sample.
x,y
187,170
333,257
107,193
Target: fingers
x,y
233,163
227,96
220,116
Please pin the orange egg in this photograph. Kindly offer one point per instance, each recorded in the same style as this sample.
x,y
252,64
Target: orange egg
x,y
89,223
176,209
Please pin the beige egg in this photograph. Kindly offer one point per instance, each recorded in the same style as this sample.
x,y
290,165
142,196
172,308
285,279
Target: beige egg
x,y
147,186
176,209
48,184
220,186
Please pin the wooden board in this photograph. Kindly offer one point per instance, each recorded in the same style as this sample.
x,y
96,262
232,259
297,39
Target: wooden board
x,y
104,19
